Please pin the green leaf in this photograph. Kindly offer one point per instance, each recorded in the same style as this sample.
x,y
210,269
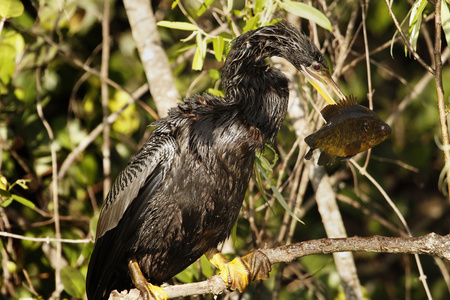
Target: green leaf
x,y
260,5
11,8
307,12
215,92
200,52
415,21
229,6
21,182
218,46
251,23
207,268
73,281
445,16
7,54
174,4
204,7
23,201
177,25
7,202
197,62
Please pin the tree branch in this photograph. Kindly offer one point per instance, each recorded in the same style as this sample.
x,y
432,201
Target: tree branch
x,y
153,57
431,244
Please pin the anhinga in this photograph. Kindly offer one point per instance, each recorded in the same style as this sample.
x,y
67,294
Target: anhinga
x,y
180,195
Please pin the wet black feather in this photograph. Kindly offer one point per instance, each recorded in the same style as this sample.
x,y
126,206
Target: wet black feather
x,y
181,194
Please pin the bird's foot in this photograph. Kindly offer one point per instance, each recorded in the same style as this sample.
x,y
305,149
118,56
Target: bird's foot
x,y
238,273
148,290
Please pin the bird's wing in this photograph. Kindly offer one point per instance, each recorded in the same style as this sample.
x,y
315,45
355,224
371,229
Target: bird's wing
x,y
141,170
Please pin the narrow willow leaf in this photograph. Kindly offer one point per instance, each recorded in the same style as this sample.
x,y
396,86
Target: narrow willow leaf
x,y
23,201
251,23
229,6
174,4
307,12
415,21
177,25
204,7
218,46
197,63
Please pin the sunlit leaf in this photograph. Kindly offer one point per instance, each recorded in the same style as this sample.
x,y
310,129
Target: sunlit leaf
x,y
229,6
21,182
7,53
215,92
128,120
260,5
200,53
415,21
177,25
307,12
251,23
218,46
23,201
204,6
11,8
73,281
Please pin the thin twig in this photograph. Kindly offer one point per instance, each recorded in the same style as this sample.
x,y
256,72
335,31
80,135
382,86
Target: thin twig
x,y
431,244
364,9
46,240
440,90
54,184
407,43
104,70
394,207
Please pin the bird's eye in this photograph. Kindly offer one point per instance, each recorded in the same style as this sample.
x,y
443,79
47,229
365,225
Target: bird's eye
x,y
316,67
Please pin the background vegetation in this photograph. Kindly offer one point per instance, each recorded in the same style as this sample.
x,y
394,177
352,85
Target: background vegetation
x,y
64,135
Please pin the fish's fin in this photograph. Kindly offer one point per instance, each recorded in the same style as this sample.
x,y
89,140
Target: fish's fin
x,y
325,159
330,110
353,148
311,141
309,154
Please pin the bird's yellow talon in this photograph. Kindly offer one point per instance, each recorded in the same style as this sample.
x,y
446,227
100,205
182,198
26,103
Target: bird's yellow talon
x,y
148,290
238,273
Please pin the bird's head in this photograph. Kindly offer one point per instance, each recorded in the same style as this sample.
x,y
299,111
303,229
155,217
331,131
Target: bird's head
x,y
286,41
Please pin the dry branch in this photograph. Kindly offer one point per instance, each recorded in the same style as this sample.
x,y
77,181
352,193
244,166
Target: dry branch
x,y
432,244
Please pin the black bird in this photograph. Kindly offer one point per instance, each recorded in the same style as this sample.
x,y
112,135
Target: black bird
x,y
180,195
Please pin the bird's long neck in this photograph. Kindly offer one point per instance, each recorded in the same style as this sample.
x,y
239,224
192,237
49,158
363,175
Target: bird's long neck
x,y
261,92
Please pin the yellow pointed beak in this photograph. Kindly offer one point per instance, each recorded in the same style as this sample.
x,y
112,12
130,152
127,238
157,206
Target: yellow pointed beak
x,y
320,80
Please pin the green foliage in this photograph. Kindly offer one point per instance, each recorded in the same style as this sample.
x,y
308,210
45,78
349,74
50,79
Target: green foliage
x,y
306,12
11,8
7,197
415,21
48,50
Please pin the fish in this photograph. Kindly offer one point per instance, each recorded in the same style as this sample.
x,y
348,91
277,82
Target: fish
x,y
351,128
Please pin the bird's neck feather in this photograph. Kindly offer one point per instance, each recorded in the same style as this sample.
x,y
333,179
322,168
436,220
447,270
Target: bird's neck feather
x,y
262,95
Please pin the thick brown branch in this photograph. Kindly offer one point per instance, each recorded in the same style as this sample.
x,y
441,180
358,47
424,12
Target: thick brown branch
x,y
432,244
